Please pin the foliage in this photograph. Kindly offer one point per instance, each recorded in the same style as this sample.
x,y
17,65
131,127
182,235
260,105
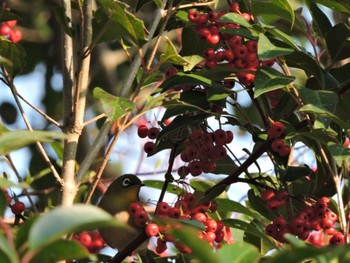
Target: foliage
x,y
180,71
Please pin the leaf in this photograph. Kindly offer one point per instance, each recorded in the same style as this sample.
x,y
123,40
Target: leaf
x,y
192,44
64,220
192,61
14,140
320,20
61,250
171,56
260,206
114,107
200,248
268,79
335,5
6,15
234,18
267,50
12,57
3,203
173,189
280,9
246,227
321,112
293,173
338,42
320,98
243,32
287,39
125,23
239,252
227,205
185,79
7,253
339,152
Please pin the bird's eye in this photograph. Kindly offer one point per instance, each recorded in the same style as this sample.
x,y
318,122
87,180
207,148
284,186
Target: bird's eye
x,y
126,182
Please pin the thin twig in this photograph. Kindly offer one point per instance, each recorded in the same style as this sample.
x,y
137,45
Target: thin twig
x,y
20,179
103,115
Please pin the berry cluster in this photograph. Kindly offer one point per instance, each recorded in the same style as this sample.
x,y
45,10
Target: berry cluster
x,y
274,200
275,133
202,148
310,219
237,51
152,133
7,30
90,240
185,208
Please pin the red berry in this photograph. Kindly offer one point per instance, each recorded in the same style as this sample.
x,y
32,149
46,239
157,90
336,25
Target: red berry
x,y
284,151
240,52
235,41
4,30
15,36
141,218
163,208
152,230
183,171
246,16
200,217
271,230
296,226
85,239
11,23
174,212
267,194
18,207
213,39
211,225
220,136
276,130
209,236
153,132
134,208
142,131
252,46
171,71
234,7
229,137
277,145
189,198
204,33
337,239
193,15
280,222
149,148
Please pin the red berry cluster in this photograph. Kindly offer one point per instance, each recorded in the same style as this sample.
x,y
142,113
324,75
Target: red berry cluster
x,y
144,132
237,51
184,209
315,218
274,200
275,133
7,30
91,240
202,148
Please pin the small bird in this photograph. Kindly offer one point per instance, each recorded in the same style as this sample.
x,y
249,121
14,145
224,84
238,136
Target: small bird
x,y
116,200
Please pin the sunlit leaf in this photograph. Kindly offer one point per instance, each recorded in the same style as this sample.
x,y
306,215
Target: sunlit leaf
x,y
339,152
268,79
114,107
335,5
233,206
171,56
64,220
267,50
239,252
15,140
234,18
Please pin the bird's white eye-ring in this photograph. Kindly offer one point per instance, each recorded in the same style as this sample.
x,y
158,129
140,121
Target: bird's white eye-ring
x,y
126,182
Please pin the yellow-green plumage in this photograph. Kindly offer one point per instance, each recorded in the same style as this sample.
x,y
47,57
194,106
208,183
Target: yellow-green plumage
x,y
120,194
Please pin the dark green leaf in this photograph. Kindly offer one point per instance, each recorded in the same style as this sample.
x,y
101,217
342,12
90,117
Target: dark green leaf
x,y
3,203
14,140
267,50
225,166
338,42
321,21
273,10
61,250
181,79
293,173
260,206
159,185
243,32
239,224
191,43
12,57
340,153
287,39
268,79
6,15
335,5
114,107
234,18
239,252
23,233
126,23
7,253
64,220
320,98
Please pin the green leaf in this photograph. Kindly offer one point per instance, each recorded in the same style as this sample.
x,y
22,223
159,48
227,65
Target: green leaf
x,y
243,32
320,98
185,79
64,220
192,61
12,57
200,248
260,206
234,18
287,39
192,44
22,233
125,23
173,189
335,5
339,152
171,56
14,140
338,42
293,173
114,107
61,250
321,112
274,10
268,79
166,97
239,252
239,224
3,203
320,20
7,253
227,205
6,15
267,50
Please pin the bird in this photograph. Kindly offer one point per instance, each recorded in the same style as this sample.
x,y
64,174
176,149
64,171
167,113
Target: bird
x,y
120,194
